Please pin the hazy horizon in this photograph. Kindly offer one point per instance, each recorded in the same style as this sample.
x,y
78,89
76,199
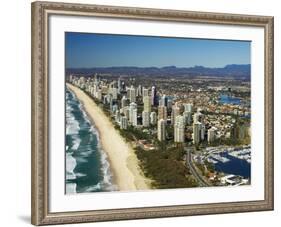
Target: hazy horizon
x,y
167,66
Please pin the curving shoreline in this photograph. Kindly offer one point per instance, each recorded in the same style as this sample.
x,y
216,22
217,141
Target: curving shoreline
x,y
123,161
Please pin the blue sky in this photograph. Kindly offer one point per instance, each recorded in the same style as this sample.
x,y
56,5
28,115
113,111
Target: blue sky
x,y
86,50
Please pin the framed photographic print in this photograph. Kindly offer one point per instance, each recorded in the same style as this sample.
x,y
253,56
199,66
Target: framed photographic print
x,y
145,113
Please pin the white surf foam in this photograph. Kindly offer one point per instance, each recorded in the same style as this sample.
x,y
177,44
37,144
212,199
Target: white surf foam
x,y
72,129
93,188
78,175
72,125
76,142
70,175
107,182
70,166
85,115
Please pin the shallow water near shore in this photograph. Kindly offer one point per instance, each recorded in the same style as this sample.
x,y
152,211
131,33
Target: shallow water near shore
x,y
87,167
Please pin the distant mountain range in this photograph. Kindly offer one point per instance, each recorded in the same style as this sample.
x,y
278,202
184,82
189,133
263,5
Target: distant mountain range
x,y
234,70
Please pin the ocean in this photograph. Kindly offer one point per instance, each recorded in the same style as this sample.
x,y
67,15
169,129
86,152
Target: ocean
x,y
87,166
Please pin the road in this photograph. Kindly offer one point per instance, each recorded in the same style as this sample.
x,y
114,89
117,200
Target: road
x,y
193,170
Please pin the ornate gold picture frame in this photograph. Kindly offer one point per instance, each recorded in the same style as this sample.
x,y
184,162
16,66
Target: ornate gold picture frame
x,y
41,12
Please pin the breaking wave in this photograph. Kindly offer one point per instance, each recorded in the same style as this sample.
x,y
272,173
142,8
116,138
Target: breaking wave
x,y
85,158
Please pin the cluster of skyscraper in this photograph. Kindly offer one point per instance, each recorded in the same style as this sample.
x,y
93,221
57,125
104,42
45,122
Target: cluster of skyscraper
x,y
124,101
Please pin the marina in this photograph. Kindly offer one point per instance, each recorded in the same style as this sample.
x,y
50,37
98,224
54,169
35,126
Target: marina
x,y
234,161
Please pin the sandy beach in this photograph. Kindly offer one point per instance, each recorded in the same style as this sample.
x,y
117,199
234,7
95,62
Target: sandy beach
x,y
124,163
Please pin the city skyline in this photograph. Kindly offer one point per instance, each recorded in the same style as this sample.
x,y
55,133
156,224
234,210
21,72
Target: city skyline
x,y
87,50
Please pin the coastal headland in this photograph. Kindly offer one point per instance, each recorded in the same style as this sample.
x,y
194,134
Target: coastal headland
x,y
123,161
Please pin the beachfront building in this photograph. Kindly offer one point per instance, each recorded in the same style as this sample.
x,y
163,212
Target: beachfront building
x,y
161,130
145,118
95,90
211,135
132,94
114,108
135,117
99,95
81,82
147,103
162,112
117,116
179,127
196,132
123,122
126,112
175,113
133,113
153,118
104,89
124,102
114,92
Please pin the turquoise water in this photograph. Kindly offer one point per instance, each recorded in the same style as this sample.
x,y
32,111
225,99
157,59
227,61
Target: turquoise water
x,y
87,167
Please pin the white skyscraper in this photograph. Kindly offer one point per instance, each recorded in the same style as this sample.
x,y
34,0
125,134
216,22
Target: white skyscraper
x,y
132,94
153,118
123,123
179,128
211,135
96,79
119,87
153,95
147,103
196,132
134,117
133,113
117,116
145,118
161,130
99,95
203,130
174,114
145,92
114,91
126,112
